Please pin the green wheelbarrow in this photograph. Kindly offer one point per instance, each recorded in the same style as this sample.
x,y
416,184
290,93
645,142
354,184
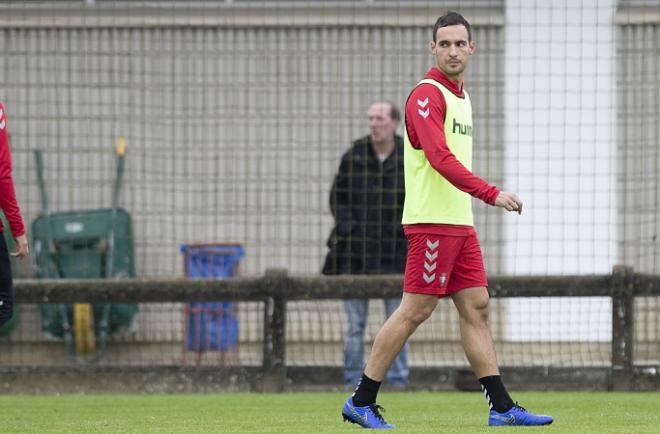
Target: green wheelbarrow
x,y
85,244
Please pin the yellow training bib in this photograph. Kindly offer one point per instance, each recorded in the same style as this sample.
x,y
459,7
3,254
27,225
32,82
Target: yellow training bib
x,y
430,198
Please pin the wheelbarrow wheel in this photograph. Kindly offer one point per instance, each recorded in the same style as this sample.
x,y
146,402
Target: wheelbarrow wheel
x,y
83,328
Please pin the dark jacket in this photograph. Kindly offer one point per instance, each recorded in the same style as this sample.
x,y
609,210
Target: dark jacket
x,y
366,201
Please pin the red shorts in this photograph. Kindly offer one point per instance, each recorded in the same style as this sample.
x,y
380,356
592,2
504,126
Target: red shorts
x,y
442,264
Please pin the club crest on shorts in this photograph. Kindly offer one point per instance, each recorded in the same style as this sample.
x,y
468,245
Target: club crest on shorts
x,y
443,279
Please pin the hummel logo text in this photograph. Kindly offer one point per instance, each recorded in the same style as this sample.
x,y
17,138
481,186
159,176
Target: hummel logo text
x,y
465,130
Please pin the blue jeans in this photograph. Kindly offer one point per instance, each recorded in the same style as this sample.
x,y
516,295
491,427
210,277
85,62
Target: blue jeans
x,y
356,312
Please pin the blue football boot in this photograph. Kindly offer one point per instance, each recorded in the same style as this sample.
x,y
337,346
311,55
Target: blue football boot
x,y
367,417
517,415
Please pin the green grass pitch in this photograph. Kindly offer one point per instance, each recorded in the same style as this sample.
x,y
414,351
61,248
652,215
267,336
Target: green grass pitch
x,y
412,412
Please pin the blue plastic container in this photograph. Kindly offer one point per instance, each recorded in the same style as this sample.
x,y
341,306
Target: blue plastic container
x,y
211,326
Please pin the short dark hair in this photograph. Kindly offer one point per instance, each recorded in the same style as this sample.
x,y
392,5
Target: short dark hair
x,y
395,113
452,19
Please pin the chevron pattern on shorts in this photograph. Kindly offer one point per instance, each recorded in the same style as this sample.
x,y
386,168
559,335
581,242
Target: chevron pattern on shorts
x,y
430,263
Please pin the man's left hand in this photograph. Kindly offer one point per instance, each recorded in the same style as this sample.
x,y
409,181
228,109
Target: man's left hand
x,y
22,248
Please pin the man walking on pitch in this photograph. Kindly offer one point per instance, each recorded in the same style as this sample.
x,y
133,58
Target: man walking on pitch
x,y
444,256
9,206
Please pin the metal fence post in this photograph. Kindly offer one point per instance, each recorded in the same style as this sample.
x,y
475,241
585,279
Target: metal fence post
x,y
622,327
274,350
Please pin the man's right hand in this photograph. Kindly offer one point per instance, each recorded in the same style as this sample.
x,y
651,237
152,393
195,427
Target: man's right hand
x,y
509,201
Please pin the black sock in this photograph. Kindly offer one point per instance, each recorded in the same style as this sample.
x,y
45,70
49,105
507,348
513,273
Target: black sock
x,y
496,394
365,392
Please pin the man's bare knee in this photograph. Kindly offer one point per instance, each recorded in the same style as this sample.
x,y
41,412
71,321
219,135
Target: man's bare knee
x,y
481,311
475,309
415,309
414,317
481,302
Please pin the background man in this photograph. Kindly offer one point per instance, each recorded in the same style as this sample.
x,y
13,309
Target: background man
x,y
367,203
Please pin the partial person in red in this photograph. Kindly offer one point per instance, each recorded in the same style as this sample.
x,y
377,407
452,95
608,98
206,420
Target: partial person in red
x,y
444,256
9,206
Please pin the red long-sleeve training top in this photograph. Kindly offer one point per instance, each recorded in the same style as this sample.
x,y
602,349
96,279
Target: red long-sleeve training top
x,y
8,202
428,134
